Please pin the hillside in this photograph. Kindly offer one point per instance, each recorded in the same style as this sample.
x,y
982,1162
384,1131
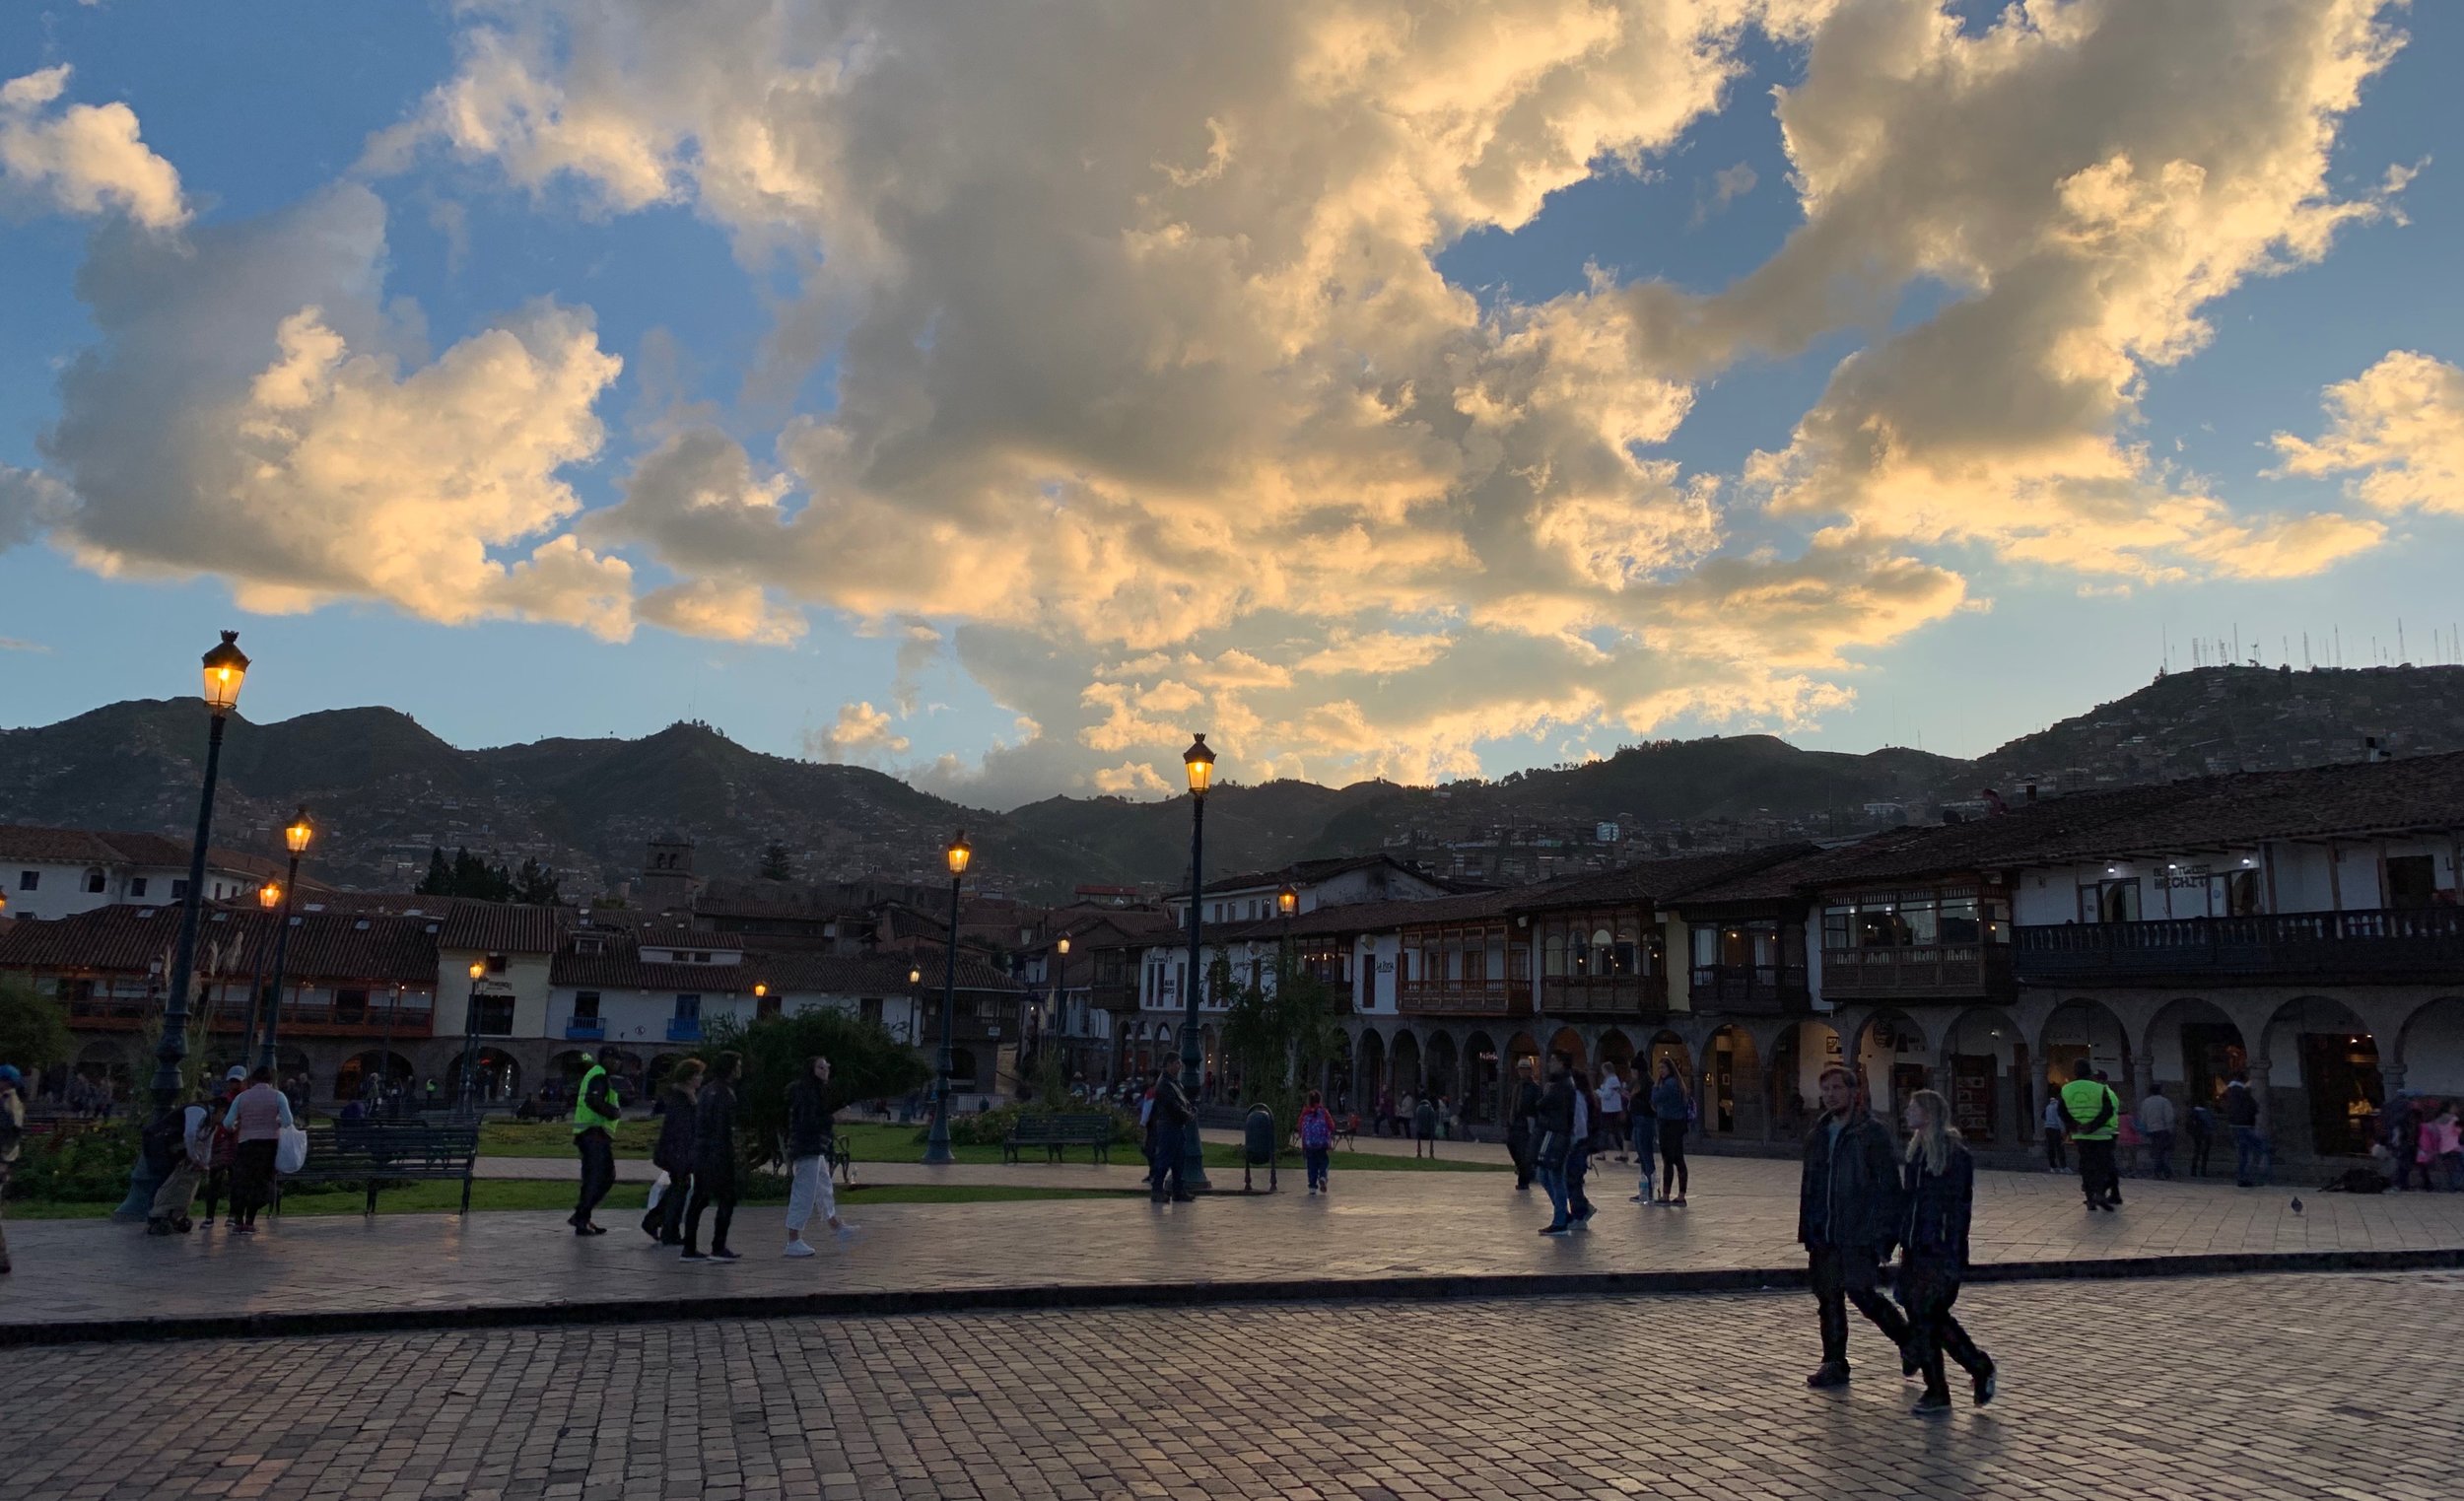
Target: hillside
x,y
384,789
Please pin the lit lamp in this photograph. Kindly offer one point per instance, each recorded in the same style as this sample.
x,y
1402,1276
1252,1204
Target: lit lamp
x,y
1199,764
937,1142
295,836
761,1000
470,1038
226,669
268,897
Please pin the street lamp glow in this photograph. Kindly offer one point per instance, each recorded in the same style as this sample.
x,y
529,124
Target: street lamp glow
x,y
1199,762
914,973
269,895
1062,947
760,989
1287,901
959,853
476,970
226,668
297,834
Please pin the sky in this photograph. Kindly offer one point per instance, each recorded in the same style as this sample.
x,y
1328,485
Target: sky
x,y
996,396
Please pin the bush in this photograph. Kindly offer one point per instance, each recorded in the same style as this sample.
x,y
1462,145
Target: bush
x,y
33,1029
865,1063
991,1128
81,1167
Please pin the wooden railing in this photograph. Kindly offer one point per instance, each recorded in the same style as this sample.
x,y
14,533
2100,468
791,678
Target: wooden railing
x,y
1621,995
1768,990
2382,943
1918,972
1464,997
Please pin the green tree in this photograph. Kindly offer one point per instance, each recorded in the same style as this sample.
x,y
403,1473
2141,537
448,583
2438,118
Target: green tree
x,y
775,863
1280,1036
865,1063
535,885
438,881
34,1028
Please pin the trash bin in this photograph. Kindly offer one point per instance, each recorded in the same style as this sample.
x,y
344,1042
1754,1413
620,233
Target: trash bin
x,y
1258,1147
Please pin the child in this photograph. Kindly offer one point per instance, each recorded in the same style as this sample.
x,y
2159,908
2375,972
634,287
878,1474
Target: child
x,y
1317,1139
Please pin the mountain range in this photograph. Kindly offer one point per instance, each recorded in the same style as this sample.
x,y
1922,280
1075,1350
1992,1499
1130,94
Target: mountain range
x,y
383,790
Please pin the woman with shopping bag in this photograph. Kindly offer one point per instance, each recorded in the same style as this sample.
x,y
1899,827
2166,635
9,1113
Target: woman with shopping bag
x,y
258,1117
672,1155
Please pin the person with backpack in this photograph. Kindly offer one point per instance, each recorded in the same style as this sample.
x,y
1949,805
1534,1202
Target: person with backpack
x,y
2092,1113
715,1161
1673,1109
672,1155
1317,1141
811,1134
1167,1134
595,1113
1939,1183
259,1115
12,1140
1848,1218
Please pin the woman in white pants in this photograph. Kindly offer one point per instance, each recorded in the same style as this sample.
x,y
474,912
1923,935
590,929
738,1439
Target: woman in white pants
x,y
809,1132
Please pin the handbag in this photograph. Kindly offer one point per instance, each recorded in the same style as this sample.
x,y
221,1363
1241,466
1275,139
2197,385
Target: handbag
x,y
291,1150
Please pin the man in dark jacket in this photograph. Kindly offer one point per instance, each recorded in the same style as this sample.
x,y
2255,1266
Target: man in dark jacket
x,y
1553,1141
715,1160
672,1155
1521,1123
1167,1129
1848,1219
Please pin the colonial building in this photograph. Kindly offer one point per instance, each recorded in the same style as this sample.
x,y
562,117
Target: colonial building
x,y
48,874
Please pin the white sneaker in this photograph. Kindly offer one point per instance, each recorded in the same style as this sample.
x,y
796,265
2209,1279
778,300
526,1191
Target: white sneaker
x,y
848,1232
800,1247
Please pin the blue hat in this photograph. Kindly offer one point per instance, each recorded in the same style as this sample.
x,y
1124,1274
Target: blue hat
x,y
9,1073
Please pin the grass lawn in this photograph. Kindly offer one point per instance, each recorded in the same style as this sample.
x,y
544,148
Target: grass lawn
x,y
533,1193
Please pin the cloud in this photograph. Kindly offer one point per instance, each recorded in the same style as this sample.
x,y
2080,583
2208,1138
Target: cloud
x,y
1727,185
81,158
253,412
861,733
2398,427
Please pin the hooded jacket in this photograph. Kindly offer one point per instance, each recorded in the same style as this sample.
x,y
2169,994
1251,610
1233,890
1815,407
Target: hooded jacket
x,y
1848,1195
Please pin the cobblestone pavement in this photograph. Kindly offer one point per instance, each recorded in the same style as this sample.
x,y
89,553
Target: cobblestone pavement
x,y
1742,1214
2258,1389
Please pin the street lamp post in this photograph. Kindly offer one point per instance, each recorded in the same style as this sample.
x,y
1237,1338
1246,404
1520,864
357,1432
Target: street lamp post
x,y
268,897
226,668
295,836
1060,1006
938,1143
1199,763
470,1043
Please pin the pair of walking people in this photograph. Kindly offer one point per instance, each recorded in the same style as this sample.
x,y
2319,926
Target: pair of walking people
x,y
697,1150
1857,1200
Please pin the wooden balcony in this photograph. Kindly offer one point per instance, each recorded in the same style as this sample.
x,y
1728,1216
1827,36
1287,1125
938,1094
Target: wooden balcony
x,y
1627,997
115,1015
1464,997
2423,944
1919,972
1751,990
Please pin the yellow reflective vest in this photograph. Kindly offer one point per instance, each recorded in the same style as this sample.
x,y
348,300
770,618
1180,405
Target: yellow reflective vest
x,y
2083,1100
585,1116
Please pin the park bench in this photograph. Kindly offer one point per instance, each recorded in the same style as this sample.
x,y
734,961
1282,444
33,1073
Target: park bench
x,y
385,1151
1057,1133
1348,1131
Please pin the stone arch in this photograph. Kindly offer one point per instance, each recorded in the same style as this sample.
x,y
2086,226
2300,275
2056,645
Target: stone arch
x,y
496,1077
1339,1074
1484,1078
2319,1062
1733,1099
1666,1047
359,1074
1402,1066
1893,1058
1799,1054
1616,1050
1440,1067
108,1065
2430,1049
1369,1071
2084,1027
1985,1075
2194,1046
1570,1042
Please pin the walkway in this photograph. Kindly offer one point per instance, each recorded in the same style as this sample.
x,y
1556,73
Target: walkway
x,y
1390,1234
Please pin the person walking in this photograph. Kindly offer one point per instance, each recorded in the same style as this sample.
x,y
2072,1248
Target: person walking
x,y
1671,1109
1523,1124
2157,1121
1585,1139
1939,1183
715,1161
12,1141
672,1155
1317,1141
1424,1128
2092,1113
192,1156
1848,1218
811,1134
258,1116
2199,1122
1167,1135
2054,1132
1553,1138
1612,1103
595,1113
1644,1128
223,1151
2442,1147
1387,1124
2242,1113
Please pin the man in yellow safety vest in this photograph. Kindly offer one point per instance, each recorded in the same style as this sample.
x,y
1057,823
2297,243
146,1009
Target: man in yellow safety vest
x,y
2094,1114
596,1111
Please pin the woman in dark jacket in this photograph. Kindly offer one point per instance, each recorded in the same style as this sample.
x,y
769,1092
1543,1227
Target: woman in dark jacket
x,y
1673,1109
713,1160
1939,1183
672,1155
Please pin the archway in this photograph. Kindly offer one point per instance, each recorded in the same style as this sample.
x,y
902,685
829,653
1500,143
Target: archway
x,y
1438,1069
1338,1075
1570,1042
1669,1047
362,1072
1209,1065
1481,1079
496,1078
2322,1079
2431,1049
625,1067
662,1067
2194,1049
1368,1073
1732,1105
1985,1072
104,1073
2086,1029
1403,1068
1803,1050
1891,1057
963,1076
1617,1051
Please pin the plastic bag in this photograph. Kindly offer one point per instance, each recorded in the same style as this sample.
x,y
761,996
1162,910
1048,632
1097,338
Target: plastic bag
x,y
659,1190
291,1150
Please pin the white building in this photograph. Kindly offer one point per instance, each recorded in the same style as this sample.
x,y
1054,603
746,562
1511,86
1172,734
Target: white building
x,y
51,874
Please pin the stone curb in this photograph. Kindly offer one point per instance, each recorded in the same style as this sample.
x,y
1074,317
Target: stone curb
x,y
1198,1294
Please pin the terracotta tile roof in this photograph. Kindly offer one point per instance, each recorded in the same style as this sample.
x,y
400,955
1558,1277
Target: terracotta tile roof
x,y
1307,872
1657,883
129,938
784,971
85,846
506,928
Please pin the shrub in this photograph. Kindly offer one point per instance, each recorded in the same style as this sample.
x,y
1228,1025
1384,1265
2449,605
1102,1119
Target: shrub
x,y
83,1166
865,1062
991,1128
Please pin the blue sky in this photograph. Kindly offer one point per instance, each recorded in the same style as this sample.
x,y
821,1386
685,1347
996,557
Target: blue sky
x,y
1133,604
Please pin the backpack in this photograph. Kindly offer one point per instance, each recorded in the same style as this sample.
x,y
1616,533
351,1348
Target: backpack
x,y
1316,1129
